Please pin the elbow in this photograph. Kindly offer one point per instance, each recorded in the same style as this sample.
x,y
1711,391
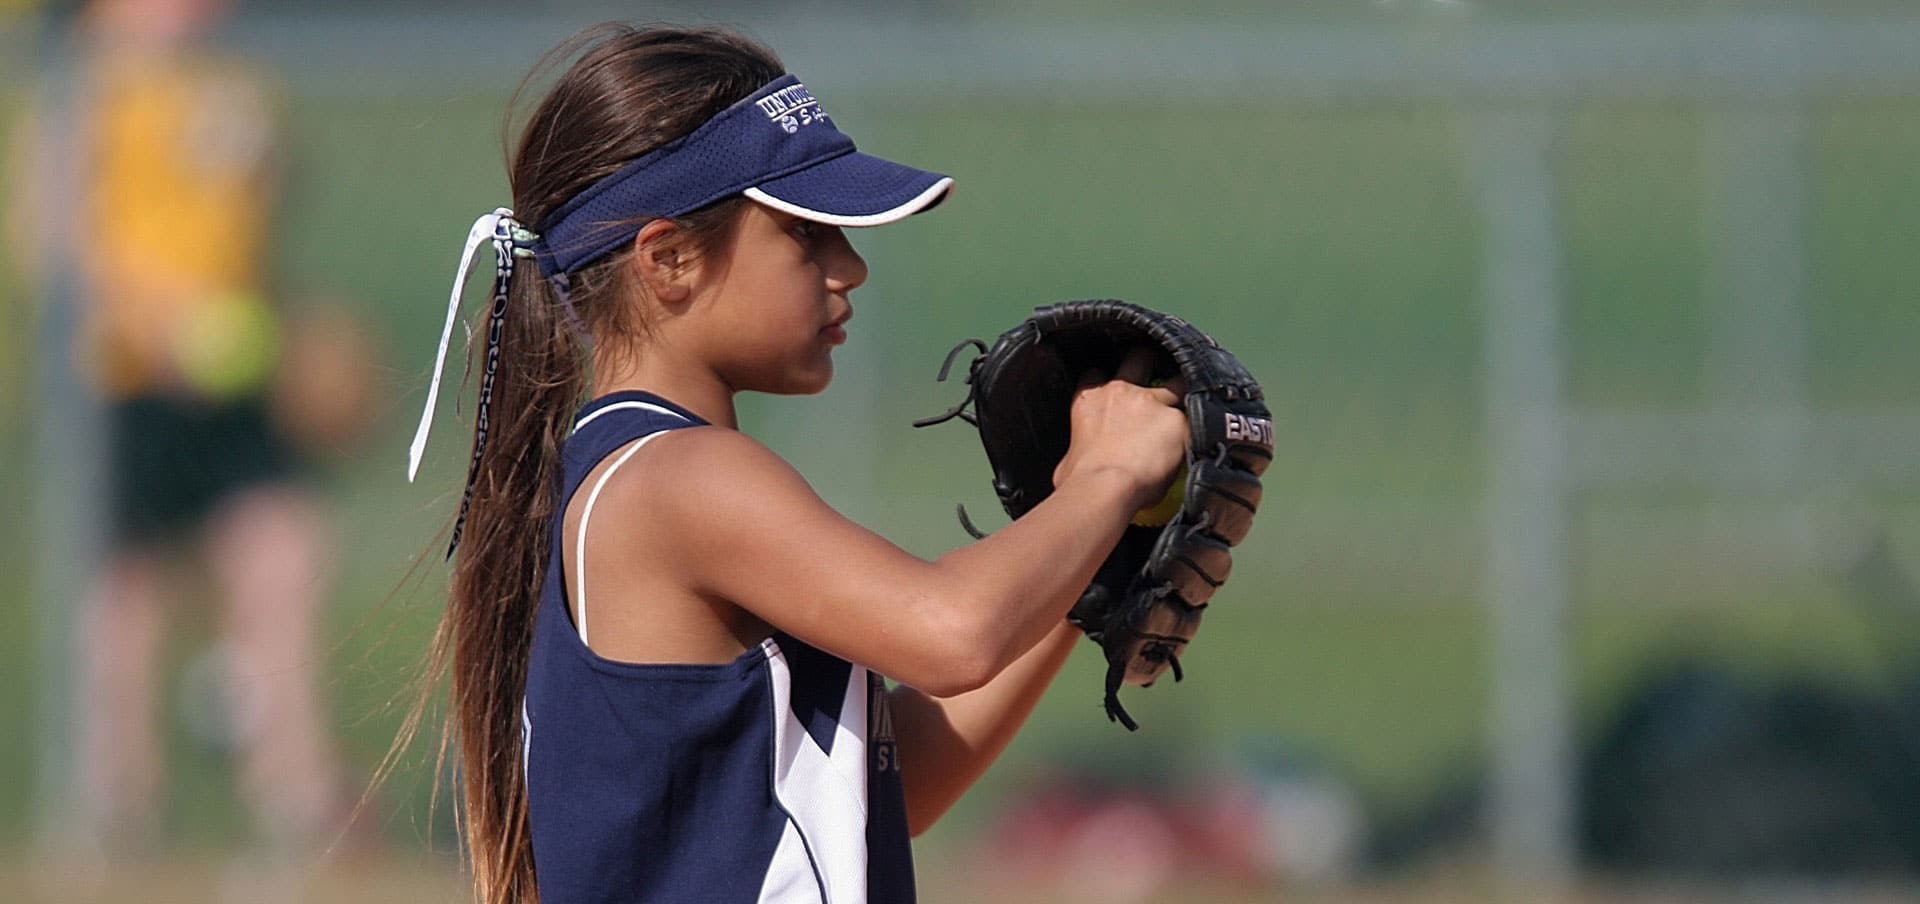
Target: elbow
x,y
966,654
960,670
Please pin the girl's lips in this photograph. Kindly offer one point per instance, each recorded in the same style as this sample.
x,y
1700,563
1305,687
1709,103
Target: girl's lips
x,y
834,334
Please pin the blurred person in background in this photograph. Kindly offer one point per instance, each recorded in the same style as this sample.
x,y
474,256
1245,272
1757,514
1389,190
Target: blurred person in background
x,y
207,390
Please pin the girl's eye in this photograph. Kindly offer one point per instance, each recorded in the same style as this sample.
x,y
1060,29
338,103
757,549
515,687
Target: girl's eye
x,y
806,230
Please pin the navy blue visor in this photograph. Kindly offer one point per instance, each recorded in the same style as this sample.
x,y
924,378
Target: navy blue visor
x,y
777,147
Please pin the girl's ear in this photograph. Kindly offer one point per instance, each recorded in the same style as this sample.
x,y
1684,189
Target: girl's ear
x,y
666,264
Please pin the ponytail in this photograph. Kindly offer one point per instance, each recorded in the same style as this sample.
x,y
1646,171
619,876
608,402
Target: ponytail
x,y
487,631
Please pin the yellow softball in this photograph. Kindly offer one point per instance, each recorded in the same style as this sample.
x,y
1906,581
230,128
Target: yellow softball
x,y
1158,514
229,347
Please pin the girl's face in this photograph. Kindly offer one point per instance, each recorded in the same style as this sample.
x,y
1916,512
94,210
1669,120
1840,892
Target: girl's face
x,y
778,301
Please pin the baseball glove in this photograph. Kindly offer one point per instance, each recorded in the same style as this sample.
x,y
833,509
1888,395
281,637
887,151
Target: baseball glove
x,y
1145,601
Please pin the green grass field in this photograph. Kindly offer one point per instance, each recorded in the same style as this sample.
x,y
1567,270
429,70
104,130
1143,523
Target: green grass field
x,y
1334,247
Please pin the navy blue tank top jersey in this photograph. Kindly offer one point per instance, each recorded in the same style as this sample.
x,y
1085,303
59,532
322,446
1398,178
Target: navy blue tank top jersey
x,y
769,778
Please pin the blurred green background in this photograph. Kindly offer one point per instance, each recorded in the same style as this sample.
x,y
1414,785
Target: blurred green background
x,y
1330,237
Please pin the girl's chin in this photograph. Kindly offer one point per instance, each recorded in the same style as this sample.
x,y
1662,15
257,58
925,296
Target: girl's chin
x,y
820,385
810,382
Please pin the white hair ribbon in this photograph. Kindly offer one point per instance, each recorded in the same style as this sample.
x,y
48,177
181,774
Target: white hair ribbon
x,y
510,240
483,229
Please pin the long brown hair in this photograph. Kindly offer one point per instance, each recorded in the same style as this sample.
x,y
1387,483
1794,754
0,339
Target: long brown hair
x,y
627,91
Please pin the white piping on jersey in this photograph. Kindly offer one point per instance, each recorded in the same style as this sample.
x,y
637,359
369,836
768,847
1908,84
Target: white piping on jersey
x,y
526,742
580,543
647,406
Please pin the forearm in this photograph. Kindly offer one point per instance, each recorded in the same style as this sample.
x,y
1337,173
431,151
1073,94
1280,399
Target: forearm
x,y
947,744
1021,580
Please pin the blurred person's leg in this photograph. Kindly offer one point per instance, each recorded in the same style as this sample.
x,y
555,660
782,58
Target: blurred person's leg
x,y
152,485
121,759
268,554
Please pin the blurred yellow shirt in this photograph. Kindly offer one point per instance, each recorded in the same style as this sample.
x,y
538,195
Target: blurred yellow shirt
x,y
176,211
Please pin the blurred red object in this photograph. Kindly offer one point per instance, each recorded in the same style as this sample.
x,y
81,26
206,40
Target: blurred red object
x,y
1083,837
1076,837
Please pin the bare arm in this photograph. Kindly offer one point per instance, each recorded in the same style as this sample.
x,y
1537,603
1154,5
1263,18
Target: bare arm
x,y
742,526
946,745
757,535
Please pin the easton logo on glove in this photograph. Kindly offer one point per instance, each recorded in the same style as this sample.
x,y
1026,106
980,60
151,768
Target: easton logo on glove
x,y
1250,429
1145,601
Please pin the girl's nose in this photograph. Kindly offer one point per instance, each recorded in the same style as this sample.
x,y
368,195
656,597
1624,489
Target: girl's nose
x,y
846,270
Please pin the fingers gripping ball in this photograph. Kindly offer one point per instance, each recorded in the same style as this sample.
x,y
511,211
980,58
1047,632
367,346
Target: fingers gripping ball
x,y
1158,514
1145,602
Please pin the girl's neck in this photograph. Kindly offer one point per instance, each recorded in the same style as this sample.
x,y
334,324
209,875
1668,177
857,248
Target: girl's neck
x,y
695,388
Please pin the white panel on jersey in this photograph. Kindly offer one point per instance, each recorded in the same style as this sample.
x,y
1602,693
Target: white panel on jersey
x,y
790,878
850,743
825,798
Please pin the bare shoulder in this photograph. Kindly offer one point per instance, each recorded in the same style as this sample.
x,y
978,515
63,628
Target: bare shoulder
x,y
721,516
694,478
714,459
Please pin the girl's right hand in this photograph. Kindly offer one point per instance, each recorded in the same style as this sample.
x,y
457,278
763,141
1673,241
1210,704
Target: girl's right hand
x,y
1134,431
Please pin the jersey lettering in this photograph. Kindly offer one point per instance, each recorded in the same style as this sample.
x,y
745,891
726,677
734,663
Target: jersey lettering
x,y
886,755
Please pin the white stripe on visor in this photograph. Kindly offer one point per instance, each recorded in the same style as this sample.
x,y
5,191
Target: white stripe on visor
x,y
920,202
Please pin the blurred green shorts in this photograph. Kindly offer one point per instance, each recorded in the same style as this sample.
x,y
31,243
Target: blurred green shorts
x,y
175,459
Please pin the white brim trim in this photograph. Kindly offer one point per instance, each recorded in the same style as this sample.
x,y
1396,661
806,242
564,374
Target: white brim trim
x,y
919,203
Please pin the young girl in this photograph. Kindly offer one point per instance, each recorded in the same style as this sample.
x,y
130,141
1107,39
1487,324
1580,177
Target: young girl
x,y
665,649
